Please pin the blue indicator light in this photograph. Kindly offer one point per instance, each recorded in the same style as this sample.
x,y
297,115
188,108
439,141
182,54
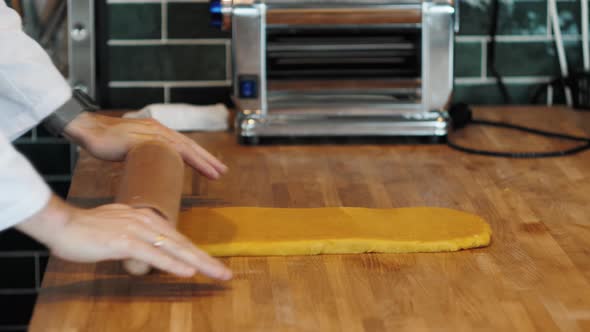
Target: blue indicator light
x,y
215,7
248,89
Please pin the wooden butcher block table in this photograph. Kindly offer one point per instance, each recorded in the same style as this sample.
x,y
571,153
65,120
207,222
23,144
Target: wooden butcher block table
x,y
534,276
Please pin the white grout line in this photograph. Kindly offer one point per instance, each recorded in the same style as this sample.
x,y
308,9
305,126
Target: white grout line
x,y
471,39
508,80
484,59
41,140
13,327
170,84
220,41
514,38
167,94
223,41
37,272
197,84
61,177
158,42
20,253
164,20
16,291
585,32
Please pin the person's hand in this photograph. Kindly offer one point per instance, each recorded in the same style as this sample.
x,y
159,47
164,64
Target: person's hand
x,y
110,138
118,232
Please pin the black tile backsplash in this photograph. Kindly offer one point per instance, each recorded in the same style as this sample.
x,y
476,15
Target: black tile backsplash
x,y
59,187
42,132
531,58
19,278
28,134
43,260
48,159
526,55
135,21
489,94
191,20
201,96
167,63
518,17
16,309
467,59
17,272
131,98
569,16
523,18
13,240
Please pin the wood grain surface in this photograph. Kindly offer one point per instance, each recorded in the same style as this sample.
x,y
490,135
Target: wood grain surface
x,y
534,276
337,16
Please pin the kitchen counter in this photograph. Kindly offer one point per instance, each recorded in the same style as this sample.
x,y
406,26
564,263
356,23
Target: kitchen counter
x,y
534,276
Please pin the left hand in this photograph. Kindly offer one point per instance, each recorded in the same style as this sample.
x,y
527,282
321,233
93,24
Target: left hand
x,y
118,232
110,138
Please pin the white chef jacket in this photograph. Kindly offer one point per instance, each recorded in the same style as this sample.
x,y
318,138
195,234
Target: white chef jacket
x,y
31,88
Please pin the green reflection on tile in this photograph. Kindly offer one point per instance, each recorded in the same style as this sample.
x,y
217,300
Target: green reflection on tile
x,y
467,59
130,98
48,159
191,20
201,96
569,17
135,21
474,20
169,62
523,18
489,94
515,18
534,58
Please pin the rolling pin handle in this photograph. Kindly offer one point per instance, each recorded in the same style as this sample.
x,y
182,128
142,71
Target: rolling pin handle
x,y
136,268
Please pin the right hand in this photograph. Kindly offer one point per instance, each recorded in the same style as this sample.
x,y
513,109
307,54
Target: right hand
x,y
110,138
119,232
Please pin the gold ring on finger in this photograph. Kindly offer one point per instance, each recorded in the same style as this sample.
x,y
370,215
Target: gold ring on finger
x,y
159,240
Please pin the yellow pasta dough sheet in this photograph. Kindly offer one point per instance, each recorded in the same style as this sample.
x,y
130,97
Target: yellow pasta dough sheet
x,y
255,231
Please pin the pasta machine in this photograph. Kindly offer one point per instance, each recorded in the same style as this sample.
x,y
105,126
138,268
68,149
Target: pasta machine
x,y
340,67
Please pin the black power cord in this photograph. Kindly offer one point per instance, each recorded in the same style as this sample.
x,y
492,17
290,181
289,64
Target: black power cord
x,y
491,51
462,116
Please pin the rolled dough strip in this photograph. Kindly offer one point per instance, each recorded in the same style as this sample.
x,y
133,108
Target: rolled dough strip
x,y
253,231
153,178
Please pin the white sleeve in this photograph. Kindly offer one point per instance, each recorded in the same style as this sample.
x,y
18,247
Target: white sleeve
x,y
24,192
31,87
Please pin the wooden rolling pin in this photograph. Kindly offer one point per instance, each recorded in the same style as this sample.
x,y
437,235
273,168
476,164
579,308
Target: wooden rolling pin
x,y
152,178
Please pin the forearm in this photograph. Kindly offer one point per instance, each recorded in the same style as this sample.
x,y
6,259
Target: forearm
x,y
82,126
88,131
44,225
24,192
